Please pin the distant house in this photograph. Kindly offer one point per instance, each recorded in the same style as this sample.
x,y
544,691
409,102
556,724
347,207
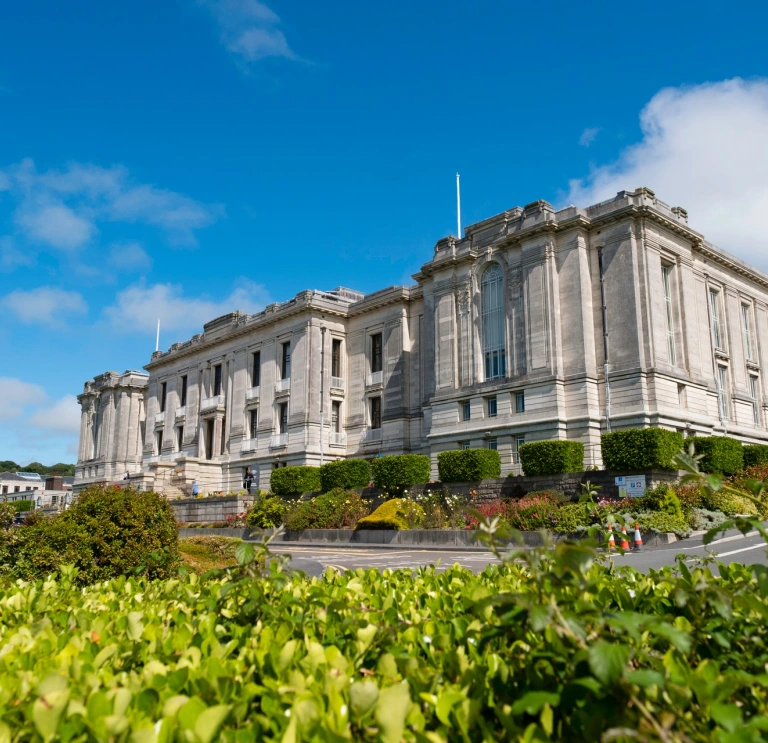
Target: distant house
x,y
20,485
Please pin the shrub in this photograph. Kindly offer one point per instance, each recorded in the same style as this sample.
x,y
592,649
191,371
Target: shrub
x,y
533,512
662,499
401,471
721,455
755,454
397,514
700,519
442,509
267,512
20,506
640,448
345,473
336,509
107,532
572,518
689,496
7,515
552,457
660,522
468,464
294,480
729,504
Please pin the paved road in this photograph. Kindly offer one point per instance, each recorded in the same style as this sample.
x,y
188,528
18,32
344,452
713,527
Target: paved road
x,y
730,547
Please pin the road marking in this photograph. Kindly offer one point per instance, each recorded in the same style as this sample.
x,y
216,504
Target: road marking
x,y
744,549
721,541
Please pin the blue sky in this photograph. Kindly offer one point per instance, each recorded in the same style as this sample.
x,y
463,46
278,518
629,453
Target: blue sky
x,y
186,158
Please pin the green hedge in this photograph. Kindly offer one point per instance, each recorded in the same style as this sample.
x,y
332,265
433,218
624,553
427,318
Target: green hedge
x,y
468,464
755,454
23,505
552,457
401,471
294,480
345,473
721,455
640,448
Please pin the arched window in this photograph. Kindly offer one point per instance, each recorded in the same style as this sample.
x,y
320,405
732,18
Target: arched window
x,y
492,303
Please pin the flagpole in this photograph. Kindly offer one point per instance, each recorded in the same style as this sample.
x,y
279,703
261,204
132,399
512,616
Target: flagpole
x,y
157,339
458,207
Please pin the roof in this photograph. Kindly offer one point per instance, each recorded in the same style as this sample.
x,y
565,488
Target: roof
x,y
13,477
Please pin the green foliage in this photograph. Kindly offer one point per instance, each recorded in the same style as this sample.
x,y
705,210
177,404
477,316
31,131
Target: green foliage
x,y
345,473
394,515
467,465
401,471
294,480
552,457
572,518
336,509
267,512
66,470
442,509
662,523
107,532
547,646
200,554
729,503
19,506
690,496
700,519
640,448
662,499
7,514
755,454
721,455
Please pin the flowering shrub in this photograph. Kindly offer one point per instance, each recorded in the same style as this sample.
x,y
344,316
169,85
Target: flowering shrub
x,y
267,512
336,509
442,509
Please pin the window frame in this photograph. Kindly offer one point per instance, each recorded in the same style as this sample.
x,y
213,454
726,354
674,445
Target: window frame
x,y
466,410
282,418
746,331
723,399
374,409
336,416
253,422
285,360
754,393
255,368
666,280
163,395
492,444
716,330
336,358
493,327
183,391
377,352
218,380
519,401
492,406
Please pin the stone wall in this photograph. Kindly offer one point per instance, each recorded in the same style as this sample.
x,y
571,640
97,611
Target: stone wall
x,y
569,484
209,510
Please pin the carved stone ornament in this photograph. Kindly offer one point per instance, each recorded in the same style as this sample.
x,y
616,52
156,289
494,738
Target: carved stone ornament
x,y
463,298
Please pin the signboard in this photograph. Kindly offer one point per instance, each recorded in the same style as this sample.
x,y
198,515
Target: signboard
x,y
631,486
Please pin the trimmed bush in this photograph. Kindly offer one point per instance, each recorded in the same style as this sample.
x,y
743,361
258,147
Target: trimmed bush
x,y
267,512
721,455
662,499
337,509
397,514
572,518
755,454
640,448
294,480
662,523
468,465
345,473
23,505
552,457
401,471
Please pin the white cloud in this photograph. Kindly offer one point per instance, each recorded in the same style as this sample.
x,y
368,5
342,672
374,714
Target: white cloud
x,y
703,148
249,29
137,308
12,258
588,136
60,417
16,395
46,305
62,208
129,257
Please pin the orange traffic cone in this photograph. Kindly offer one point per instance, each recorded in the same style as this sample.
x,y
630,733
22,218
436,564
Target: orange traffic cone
x,y
624,540
611,541
638,540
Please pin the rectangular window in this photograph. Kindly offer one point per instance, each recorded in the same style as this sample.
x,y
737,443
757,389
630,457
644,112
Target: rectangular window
x,y
158,441
336,417
754,394
285,366
163,395
722,391
335,357
666,275
223,446
17,489
183,393
217,380
209,439
5,489
253,422
492,444
519,441
283,421
681,396
466,410
375,412
179,438
464,444
256,369
376,346
746,331
491,406
714,311
519,402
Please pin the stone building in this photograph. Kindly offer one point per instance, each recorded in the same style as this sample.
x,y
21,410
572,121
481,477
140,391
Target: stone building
x,y
536,324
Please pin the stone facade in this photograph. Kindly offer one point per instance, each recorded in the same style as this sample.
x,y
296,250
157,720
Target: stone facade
x,y
536,324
